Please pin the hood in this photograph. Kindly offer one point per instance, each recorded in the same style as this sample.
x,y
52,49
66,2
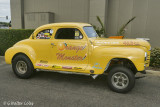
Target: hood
x,y
120,42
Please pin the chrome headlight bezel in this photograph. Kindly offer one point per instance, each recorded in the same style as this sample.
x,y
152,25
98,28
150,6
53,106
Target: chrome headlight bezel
x,y
145,56
150,49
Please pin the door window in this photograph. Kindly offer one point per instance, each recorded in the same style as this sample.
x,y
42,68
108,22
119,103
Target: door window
x,y
68,33
45,34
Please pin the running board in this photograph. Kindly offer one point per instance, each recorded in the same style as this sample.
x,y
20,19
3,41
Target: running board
x,y
94,76
63,72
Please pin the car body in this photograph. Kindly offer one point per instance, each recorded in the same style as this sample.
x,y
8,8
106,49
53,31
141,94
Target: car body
x,y
49,48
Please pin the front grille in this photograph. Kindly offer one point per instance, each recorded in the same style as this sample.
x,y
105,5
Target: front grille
x,y
147,61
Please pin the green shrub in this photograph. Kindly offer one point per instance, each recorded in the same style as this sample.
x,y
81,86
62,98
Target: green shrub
x,y
155,57
8,37
100,30
122,30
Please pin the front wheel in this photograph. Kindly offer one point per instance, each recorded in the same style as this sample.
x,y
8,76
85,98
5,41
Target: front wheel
x,y
22,67
121,79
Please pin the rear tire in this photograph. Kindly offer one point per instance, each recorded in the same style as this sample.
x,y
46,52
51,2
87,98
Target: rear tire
x,y
22,67
121,79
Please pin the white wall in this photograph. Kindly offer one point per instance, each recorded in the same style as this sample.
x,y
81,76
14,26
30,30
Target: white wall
x,y
16,14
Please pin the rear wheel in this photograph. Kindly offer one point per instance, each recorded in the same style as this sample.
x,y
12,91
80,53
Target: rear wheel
x,y
121,79
22,67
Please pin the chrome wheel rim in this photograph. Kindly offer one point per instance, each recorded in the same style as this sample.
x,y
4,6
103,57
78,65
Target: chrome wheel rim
x,y
21,67
120,80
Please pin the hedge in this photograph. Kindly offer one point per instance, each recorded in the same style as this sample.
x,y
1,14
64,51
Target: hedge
x,y
8,37
155,57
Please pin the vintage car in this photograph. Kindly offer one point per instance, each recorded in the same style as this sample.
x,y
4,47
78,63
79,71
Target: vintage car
x,y
76,48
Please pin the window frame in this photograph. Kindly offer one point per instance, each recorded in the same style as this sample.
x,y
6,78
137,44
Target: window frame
x,y
39,30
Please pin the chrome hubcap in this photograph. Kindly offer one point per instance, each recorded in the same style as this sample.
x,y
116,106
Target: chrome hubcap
x,y
120,80
21,67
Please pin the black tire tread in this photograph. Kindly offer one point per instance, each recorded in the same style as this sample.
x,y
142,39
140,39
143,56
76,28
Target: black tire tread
x,y
30,69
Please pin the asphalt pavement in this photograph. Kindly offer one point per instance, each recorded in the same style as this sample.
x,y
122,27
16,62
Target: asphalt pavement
x,y
51,89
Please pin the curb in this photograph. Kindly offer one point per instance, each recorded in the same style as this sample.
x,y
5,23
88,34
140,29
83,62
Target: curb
x,y
153,71
2,60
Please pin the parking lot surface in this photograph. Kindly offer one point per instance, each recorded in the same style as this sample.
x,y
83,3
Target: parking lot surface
x,y
51,89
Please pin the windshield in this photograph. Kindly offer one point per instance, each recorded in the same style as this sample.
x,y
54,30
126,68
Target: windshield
x,y
89,30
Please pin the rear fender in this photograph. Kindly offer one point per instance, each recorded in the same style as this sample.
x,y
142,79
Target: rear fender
x,y
23,49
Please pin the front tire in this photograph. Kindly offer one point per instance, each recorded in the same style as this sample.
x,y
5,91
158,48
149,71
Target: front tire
x,y
121,79
22,67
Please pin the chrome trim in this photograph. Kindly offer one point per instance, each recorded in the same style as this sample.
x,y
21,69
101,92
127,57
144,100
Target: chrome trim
x,y
64,72
120,80
150,49
146,56
107,66
94,76
146,39
21,67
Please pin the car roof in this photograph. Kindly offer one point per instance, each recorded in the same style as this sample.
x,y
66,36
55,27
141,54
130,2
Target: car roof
x,y
65,24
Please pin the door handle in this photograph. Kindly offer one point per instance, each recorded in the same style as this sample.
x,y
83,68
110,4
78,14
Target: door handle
x,y
53,44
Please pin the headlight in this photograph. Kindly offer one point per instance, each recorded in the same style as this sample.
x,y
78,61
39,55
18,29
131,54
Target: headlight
x,y
145,56
150,49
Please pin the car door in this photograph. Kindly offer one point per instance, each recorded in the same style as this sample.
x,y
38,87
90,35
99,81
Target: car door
x,y
69,50
42,47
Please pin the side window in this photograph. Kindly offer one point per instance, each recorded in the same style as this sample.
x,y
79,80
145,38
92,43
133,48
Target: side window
x,y
45,34
68,33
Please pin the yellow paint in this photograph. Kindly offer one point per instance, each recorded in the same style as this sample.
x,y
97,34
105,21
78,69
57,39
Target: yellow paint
x,y
57,67
77,68
47,34
61,46
80,54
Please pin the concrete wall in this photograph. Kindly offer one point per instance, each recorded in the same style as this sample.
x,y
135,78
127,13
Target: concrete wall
x,y
145,25
64,10
97,8
114,13
36,19
17,14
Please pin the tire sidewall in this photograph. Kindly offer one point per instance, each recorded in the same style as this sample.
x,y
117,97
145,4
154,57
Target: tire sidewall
x,y
30,69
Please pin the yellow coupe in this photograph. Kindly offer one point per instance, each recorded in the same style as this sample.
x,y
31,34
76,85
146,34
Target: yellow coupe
x,y
76,47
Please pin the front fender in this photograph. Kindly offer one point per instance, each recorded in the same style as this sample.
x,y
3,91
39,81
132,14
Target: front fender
x,y
25,49
103,55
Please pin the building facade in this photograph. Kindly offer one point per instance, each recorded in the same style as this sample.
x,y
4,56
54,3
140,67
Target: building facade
x,y
30,14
